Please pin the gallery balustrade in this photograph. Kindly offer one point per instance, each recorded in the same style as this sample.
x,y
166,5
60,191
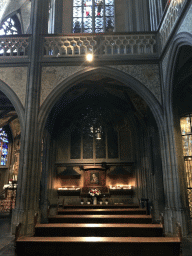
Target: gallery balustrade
x,y
137,45
171,14
100,44
14,46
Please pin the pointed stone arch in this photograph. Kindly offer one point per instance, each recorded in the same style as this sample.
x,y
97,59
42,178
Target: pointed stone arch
x,y
120,76
11,95
175,167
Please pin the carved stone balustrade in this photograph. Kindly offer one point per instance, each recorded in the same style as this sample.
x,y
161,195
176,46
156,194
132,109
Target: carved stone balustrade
x,y
14,46
102,44
169,19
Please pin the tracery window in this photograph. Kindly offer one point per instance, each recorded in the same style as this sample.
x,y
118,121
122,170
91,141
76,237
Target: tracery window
x,y
3,147
93,16
93,138
11,26
186,132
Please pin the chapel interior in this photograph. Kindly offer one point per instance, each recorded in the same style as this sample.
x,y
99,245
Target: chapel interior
x,y
120,124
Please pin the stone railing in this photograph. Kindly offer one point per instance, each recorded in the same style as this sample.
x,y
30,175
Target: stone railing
x,y
14,46
107,45
170,18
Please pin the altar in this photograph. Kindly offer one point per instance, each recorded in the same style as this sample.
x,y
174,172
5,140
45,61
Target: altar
x,y
96,178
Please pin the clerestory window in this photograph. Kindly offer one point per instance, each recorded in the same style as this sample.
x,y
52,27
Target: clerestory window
x,y
93,16
11,26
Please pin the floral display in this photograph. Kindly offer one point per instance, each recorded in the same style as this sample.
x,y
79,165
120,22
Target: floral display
x,y
94,192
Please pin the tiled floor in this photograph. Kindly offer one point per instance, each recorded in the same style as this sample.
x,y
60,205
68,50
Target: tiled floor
x,y
7,240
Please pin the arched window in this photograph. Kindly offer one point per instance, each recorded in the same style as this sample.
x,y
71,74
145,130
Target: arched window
x,y
93,138
93,16
186,132
11,26
3,147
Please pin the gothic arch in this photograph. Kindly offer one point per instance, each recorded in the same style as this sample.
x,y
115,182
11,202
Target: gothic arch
x,y
120,76
176,167
182,39
137,87
15,101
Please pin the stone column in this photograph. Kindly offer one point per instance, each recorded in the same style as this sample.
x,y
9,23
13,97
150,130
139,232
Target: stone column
x,y
27,201
152,15
156,12
146,16
58,16
137,5
130,15
175,198
44,202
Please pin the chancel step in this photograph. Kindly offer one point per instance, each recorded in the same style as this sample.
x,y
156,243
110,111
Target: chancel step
x,y
99,234
102,230
102,206
99,246
117,211
100,219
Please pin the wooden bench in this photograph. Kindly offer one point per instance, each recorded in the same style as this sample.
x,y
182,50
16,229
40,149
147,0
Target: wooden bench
x,y
100,219
99,246
102,230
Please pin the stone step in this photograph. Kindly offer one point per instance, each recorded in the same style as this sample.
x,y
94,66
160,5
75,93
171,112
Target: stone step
x,y
101,230
130,211
145,219
102,206
98,246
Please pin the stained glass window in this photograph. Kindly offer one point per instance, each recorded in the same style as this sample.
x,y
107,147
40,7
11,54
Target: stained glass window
x,y
76,144
112,142
10,27
93,138
186,132
93,16
3,147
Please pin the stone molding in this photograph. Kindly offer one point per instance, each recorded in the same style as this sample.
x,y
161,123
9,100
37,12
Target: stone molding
x,y
16,79
147,74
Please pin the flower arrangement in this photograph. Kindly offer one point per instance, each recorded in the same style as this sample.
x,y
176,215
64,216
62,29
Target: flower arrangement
x,y
94,192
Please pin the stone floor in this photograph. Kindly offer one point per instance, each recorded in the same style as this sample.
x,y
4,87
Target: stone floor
x,y
7,240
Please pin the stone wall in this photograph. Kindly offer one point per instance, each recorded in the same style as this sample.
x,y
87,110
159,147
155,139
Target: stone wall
x,y
147,74
16,78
